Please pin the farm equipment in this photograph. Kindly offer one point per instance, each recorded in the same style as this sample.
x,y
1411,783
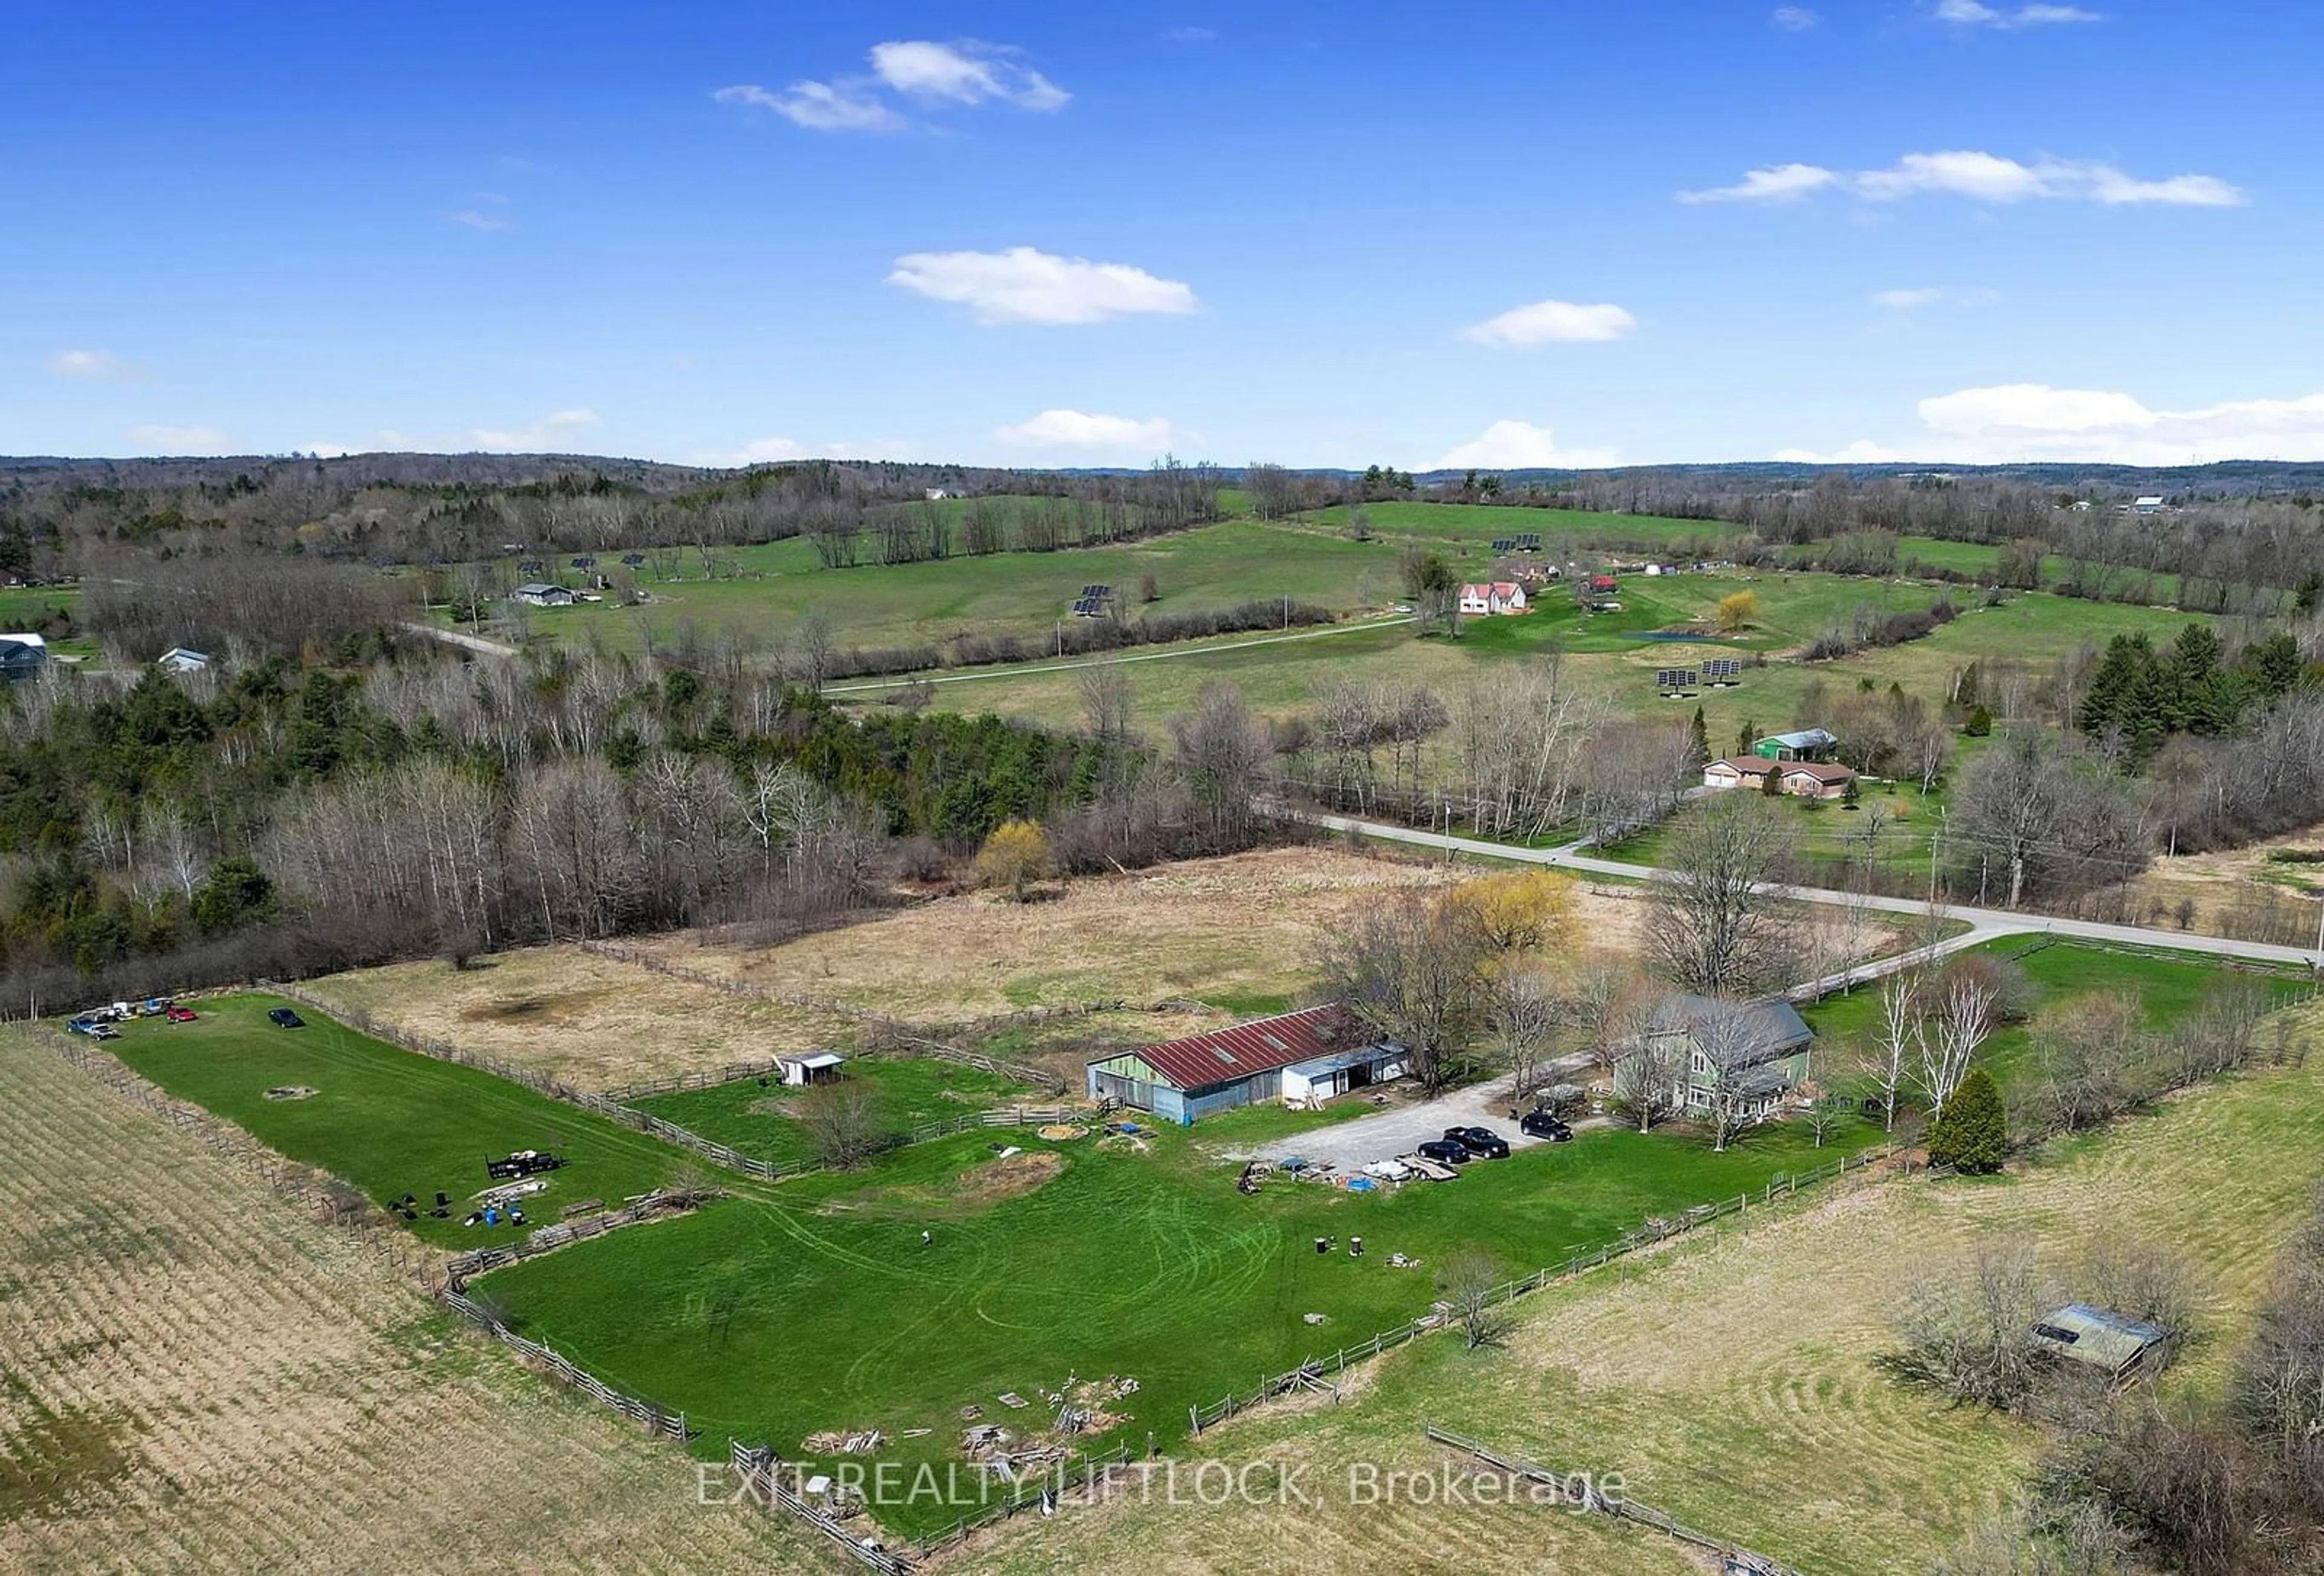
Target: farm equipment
x,y
522,1163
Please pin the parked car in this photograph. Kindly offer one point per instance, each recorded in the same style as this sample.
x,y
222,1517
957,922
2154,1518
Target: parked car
x,y
1444,1151
1546,1124
283,1017
103,1031
1480,1141
182,1015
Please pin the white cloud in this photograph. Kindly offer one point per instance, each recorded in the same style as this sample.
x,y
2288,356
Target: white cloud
x,y
1914,298
95,365
1081,430
471,219
818,105
552,430
1022,285
1772,184
1511,446
1862,452
1795,18
965,72
177,440
1982,176
1552,323
2011,422
1976,13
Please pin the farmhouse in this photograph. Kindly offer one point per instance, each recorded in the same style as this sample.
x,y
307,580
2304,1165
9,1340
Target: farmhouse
x,y
178,660
22,656
1806,744
1806,780
2102,1339
541,594
1499,596
1756,1051
813,1067
1316,1052
2150,505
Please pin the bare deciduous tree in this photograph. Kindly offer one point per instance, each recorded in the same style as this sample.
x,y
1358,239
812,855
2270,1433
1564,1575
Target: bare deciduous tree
x,y
1415,973
844,1121
1714,929
1468,1280
1963,1016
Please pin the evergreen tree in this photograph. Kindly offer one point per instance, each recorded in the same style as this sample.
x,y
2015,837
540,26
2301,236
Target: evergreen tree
x,y
1979,724
1747,737
1973,1133
1701,739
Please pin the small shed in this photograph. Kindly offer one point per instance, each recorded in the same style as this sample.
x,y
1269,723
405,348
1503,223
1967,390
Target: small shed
x,y
1805,744
1320,1078
815,1067
2120,1346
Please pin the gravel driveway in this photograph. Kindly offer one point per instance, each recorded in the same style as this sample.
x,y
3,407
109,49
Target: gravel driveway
x,y
1353,1143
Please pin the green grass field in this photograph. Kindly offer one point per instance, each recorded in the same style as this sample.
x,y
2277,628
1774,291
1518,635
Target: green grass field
x,y
387,1120
2166,986
754,1118
816,1306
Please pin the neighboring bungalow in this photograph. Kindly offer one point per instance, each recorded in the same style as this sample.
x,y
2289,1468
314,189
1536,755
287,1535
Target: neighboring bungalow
x,y
2150,505
21,657
541,595
1498,596
811,1067
1323,1048
2118,1346
1804,780
178,660
1761,1048
1806,744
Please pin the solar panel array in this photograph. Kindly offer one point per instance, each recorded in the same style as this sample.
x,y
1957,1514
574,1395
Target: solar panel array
x,y
1671,680
585,562
1526,542
634,559
1722,670
530,567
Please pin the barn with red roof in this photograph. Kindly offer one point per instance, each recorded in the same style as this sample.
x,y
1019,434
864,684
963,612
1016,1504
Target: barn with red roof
x,y
1314,1053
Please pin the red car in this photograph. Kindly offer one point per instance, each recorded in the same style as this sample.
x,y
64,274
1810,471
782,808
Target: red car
x,y
181,1015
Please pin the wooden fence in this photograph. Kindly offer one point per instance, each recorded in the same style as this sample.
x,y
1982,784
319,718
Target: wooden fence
x,y
670,1425
1576,1489
761,1469
1308,1375
548,1238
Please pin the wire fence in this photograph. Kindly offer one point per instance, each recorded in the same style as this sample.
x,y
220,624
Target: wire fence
x,y
1889,1159
1576,1489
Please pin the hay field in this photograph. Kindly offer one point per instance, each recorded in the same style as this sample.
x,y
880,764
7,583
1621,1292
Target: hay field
x,y
594,1022
1733,1382
193,1378
1237,933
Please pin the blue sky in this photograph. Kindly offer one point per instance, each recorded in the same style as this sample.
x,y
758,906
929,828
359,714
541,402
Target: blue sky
x,y
1041,234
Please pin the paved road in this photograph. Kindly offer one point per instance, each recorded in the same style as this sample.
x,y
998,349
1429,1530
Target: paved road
x,y
1987,923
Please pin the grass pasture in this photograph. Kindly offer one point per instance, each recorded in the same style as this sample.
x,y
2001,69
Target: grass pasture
x,y
757,1117
387,1120
195,1378
1734,1383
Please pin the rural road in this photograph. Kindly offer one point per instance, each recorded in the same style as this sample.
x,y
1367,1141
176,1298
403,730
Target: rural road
x,y
1166,655
476,643
1984,923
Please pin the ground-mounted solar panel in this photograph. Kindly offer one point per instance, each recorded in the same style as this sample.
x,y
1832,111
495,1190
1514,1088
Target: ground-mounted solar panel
x,y
1503,545
634,559
583,561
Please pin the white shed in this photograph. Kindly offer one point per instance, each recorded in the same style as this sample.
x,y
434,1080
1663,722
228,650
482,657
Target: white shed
x,y
817,1067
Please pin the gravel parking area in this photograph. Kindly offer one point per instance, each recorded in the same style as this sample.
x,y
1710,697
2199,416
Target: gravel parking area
x,y
1354,1144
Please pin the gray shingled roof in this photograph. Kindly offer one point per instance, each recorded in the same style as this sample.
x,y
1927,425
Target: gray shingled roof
x,y
1774,1027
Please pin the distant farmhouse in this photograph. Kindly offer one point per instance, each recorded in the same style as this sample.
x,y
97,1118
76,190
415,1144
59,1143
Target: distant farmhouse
x,y
1756,1051
179,660
21,657
2150,505
541,595
1499,596
1806,780
1305,1057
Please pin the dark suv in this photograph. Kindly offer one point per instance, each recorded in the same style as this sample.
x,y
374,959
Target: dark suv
x,y
283,1017
1546,1124
1447,1151
1480,1141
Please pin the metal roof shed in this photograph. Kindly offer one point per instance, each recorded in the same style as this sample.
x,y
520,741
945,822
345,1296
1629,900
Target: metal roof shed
x,y
2102,1339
